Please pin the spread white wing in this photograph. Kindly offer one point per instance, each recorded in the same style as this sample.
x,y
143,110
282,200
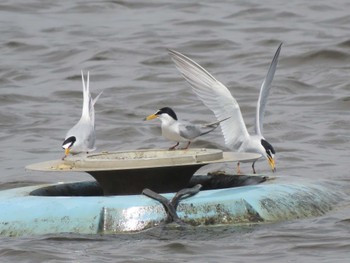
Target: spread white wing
x,y
216,97
264,93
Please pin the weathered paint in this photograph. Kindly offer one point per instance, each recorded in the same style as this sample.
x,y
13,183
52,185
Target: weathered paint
x,y
25,214
163,171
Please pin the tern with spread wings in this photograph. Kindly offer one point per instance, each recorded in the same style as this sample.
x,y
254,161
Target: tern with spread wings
x,y
219,100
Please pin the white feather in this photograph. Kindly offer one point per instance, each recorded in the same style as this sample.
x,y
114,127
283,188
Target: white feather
x,y
221,102
84,130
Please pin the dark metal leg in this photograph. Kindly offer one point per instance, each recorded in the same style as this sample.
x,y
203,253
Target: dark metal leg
x,y
185,193
170,206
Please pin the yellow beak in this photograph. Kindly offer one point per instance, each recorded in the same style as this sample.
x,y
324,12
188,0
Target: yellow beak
x,y
150,117
272,164
66,151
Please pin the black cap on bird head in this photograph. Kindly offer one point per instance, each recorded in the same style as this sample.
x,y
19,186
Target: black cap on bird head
x,y
270,151
68,143
168,111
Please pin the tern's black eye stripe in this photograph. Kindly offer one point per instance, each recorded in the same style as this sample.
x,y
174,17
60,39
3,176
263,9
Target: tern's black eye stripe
x,y
268,147
70,140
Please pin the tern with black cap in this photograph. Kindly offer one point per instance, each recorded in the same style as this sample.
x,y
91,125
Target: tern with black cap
x,y
220,100
176,131
81,137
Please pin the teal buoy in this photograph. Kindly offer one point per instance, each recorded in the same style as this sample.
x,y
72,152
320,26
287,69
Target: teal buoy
x,y
81,208
114,203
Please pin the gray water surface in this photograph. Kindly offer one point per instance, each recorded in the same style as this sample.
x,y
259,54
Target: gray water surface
x,y
45,44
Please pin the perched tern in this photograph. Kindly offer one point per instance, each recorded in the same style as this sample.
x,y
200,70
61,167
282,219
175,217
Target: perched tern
x,y
173,130
81,137
219,100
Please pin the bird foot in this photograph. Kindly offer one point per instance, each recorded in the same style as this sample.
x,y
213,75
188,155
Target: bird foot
x,y
188,145
170,206
173,147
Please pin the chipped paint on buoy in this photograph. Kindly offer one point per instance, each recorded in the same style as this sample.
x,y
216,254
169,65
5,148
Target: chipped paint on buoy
x,y
28,211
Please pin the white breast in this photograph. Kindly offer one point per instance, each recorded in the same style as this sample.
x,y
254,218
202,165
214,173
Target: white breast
x,y
172,132
170,129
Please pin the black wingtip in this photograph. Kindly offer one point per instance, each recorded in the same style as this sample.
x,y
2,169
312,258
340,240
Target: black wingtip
x,y
280,46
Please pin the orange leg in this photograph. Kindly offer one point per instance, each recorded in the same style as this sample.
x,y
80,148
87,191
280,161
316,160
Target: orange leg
x,y
188,144
173,147
238,169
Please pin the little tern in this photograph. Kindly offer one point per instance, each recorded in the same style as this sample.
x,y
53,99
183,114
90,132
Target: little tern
x,y
173,130
81,137
219,100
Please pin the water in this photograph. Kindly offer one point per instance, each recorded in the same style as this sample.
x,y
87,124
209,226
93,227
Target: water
x,y
45,44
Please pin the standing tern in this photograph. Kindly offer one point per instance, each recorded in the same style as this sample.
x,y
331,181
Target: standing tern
x,y
173,130
219,100
81,137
